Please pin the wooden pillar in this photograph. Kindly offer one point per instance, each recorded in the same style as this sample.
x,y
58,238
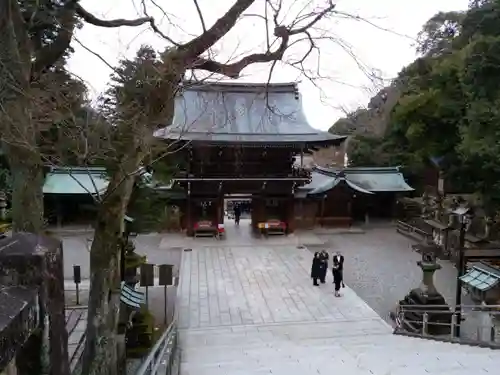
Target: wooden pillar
x,y
291,215
349,211
322,211
58,212
189,213
258,211
220,209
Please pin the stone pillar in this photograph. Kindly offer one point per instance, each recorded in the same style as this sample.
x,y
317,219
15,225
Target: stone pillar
x,y
36,261
495,321
11,369
3,206
428,270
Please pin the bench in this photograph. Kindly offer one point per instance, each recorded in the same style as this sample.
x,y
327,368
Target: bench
x,y
207,229
272,227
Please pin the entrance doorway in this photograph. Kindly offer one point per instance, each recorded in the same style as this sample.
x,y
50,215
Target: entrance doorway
x,y
237,204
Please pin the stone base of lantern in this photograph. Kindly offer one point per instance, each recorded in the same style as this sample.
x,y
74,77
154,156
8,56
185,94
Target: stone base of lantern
x,y
416,303
425,299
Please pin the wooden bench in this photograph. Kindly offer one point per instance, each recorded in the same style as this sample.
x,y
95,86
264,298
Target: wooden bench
x,y
205,229
272,227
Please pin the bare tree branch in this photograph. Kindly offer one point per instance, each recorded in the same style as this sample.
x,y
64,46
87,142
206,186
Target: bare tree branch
x,y
152,23
221,27
315,20
233,70
119,22
283,33
200,14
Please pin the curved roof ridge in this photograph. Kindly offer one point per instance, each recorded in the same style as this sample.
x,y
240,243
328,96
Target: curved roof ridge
x,y
373,169
326,170
238,86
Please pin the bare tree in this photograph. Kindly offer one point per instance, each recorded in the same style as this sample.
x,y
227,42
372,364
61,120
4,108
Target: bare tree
x,y
135,111
139,112
34,38
26,55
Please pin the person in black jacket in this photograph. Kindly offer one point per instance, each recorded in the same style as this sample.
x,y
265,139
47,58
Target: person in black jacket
x,y
338,272
323,255
316,270
237,213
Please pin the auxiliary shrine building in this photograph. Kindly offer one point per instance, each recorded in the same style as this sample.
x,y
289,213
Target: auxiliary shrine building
x,y
245,140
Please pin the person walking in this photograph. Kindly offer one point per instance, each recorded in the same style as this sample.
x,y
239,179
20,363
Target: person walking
x,y
338,272
237,214
323,256
316,271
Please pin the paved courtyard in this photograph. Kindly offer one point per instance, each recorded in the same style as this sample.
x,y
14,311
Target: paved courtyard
x,y
381,268
253,310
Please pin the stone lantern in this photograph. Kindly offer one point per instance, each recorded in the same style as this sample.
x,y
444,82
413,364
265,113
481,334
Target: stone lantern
x,y
3,206
425,300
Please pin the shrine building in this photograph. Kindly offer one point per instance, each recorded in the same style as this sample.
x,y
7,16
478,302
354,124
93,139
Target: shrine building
x,y
339,197
241,139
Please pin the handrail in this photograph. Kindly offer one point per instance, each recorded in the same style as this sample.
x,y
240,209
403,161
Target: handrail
x,y
448,308
406,228
419,322
167,343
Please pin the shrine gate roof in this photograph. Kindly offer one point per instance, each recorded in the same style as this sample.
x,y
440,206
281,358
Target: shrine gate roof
x,y
222,112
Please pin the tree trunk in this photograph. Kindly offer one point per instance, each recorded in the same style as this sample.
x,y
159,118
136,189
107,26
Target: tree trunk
x,y
27,190
100,356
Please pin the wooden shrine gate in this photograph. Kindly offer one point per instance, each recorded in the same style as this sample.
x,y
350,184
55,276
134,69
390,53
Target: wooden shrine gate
x,y
231,140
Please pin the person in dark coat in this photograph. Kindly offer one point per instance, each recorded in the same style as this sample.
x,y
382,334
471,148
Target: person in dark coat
x,y
323,255
338,272
316,270
237,214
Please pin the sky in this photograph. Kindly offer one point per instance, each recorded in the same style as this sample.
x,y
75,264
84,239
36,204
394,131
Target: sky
x,y
357,56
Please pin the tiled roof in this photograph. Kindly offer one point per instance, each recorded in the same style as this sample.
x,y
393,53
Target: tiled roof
x,y
365,180
245,113
74,180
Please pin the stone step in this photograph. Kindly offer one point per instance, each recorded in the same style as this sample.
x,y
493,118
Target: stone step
x,y
375,354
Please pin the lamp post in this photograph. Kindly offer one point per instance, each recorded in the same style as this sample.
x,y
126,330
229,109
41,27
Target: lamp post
x,y
463,218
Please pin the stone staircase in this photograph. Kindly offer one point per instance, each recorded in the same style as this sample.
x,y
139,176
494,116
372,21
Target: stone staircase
x,y
358,347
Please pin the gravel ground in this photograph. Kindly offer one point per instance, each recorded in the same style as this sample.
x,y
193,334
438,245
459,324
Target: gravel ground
x,y
381,268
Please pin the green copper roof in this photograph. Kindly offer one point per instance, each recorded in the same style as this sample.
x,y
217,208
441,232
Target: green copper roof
x,y
75,181
481,277
364,180
379,181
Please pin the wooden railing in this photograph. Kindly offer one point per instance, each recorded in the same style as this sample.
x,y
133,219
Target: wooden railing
x,y
411,231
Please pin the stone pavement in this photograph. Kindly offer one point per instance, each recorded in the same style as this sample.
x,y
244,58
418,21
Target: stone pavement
x,y
253,310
